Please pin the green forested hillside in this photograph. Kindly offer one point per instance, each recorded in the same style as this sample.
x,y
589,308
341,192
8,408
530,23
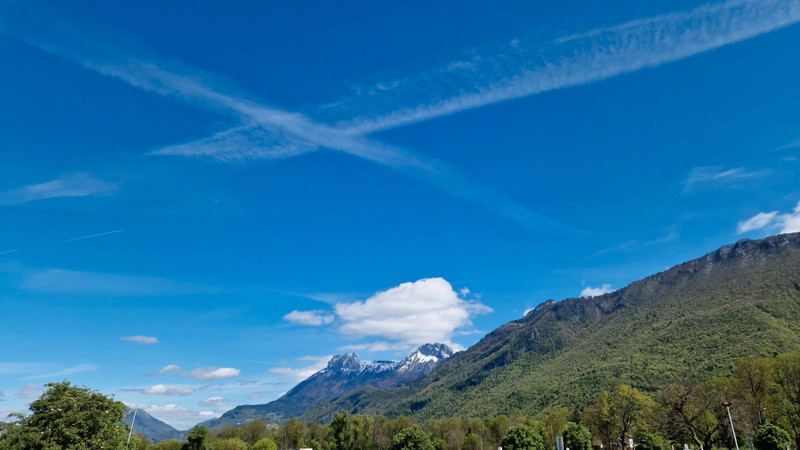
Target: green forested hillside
x,y
689,322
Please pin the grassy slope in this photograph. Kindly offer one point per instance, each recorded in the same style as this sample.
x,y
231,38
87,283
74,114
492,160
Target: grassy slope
x,y
695,320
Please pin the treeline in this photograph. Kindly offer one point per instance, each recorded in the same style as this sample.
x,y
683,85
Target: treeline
x,y
764,396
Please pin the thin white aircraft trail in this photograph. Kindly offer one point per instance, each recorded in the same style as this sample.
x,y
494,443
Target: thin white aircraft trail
x,y
63,241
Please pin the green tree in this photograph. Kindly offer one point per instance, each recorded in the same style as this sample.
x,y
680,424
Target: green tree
x,y
171,444
265,444
254,431
577,437
71,418
632,408
754,382
229,444
787,376
771,437
553,424
412,438
522,437
199,439
651,441
472,442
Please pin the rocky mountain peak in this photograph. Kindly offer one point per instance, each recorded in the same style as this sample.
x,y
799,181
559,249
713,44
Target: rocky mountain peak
x,y
347,362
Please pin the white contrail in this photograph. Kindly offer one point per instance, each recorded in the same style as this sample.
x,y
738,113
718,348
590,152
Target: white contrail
x,y
268,132
575,60
64,241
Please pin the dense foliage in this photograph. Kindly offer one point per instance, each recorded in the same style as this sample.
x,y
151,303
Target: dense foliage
x,y
68,417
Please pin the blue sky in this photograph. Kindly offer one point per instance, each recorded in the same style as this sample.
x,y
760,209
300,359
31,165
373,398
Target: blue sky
x,y
201,204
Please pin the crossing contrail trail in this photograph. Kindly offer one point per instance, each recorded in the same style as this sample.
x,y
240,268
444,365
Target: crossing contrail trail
x,y
63,241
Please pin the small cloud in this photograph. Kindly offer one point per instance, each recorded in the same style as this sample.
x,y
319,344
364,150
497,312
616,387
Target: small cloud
x,y
756,222
589,291
162,389
202,373
215,402
76,185
171,368
299,374
527,310
372,347
214,373
30,391
314,318
780,222
717,176
146,340
2,396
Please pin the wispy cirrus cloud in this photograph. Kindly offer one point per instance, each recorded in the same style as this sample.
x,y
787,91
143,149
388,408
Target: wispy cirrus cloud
x,y
773,221
75,185
73,282
523,69
29,391
80,368
146,340
502,74
716,176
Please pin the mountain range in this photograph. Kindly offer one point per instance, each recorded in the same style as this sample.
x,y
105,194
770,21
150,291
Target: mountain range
x,y
689,322
343,374
692,321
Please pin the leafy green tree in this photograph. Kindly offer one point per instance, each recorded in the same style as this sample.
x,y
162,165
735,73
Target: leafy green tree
x,y
577,437
229,444
553,424
171,444
787,376
266,444
342,435
412,438
754,382
472,442
771,437
253,432
651,441
522,437
199,439
71,418
632,408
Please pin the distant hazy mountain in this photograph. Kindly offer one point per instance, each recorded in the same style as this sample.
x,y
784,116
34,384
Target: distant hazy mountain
x,y
343,374
154,429
691,321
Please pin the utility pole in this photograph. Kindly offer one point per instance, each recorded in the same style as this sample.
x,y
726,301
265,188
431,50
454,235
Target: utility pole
x,y
727,406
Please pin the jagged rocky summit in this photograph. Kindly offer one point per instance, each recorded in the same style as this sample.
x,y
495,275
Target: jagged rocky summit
x,y
343,374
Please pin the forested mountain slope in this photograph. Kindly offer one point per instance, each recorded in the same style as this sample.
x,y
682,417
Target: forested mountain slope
x,y
691,321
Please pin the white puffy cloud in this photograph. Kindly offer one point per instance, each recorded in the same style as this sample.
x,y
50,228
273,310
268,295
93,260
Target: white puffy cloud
x,y
427,310
163,389
30,391
170,368
147,340
780,222
314,318
590,291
